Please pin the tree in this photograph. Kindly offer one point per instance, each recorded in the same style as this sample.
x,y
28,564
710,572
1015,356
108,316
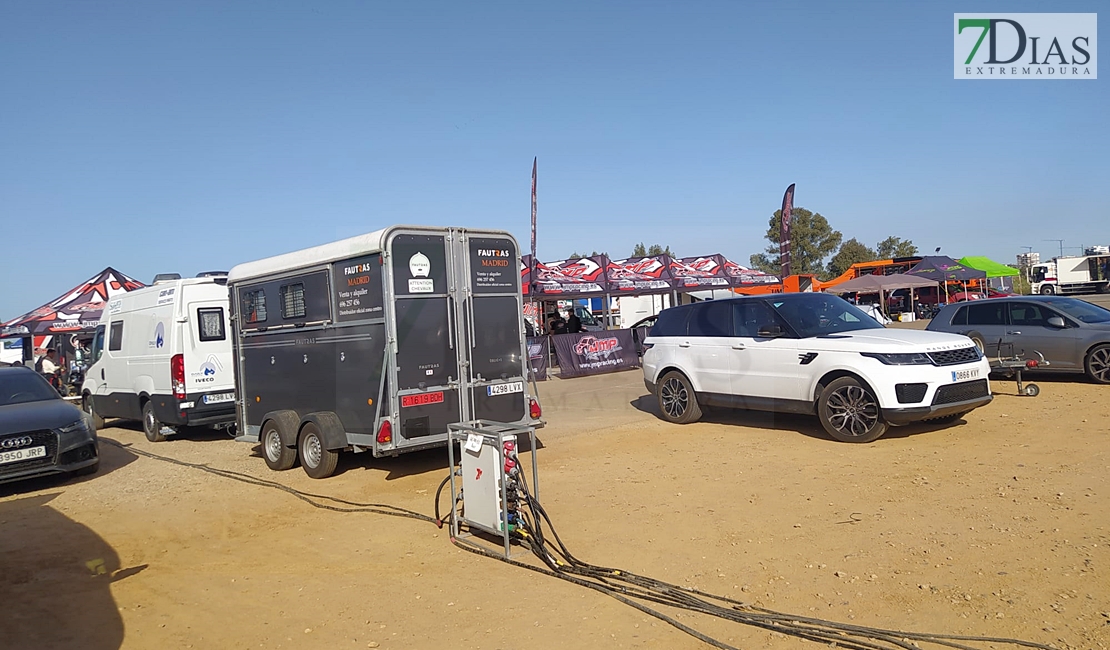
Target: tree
x,y
895,247
575,256
812,240
655,249
851,252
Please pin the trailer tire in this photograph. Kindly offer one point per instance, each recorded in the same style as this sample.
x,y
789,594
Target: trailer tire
x,y
279,457
1048,290
285,424
317,460
331,429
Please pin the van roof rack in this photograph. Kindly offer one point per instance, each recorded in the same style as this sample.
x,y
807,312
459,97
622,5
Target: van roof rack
x,y
212,274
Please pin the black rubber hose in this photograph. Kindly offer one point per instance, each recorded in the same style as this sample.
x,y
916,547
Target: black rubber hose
x,y
439,491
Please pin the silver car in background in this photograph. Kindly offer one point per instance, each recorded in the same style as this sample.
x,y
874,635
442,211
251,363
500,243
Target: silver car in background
x,y
1073,335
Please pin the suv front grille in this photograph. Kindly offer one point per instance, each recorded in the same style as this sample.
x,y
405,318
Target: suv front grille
x,y
961,392
952,357
49,439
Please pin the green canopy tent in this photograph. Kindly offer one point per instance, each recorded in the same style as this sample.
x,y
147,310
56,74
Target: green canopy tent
x,y
990,267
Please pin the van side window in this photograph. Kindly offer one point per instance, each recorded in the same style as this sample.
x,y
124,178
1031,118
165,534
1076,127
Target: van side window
x,y
292,300
210,322
254,306
711,319
115,337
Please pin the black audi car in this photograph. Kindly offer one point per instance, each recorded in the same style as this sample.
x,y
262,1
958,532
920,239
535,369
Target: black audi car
x,y
41,433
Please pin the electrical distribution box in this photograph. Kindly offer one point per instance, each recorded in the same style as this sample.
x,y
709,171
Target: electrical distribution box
x,y
483,479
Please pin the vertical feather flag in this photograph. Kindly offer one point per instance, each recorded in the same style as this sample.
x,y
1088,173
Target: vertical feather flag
x,y
784,236
533,269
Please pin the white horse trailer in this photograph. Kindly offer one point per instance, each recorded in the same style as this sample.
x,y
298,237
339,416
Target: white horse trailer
x,y
377,343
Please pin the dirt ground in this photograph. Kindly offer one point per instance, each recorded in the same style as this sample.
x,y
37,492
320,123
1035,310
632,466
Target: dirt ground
x,y
999,526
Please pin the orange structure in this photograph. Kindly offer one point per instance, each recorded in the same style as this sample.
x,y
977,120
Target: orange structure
x,y
799,283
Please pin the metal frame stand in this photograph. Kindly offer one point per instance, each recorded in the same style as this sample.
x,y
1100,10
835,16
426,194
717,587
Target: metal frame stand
x,y
493,434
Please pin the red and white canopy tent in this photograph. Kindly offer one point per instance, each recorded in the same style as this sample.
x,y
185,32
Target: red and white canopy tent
x,y
77,310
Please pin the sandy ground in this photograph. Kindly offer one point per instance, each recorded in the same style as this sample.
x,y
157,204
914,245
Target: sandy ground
x,y
998,525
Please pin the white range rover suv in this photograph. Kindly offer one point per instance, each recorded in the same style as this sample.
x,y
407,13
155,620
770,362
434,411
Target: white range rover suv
x,y
809,353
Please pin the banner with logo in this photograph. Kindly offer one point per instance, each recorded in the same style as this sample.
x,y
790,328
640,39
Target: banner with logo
x,y
742,276
637,275
699,273
537,356
593,353
576,278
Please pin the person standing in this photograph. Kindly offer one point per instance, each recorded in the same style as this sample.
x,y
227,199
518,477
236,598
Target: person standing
x,y
574,323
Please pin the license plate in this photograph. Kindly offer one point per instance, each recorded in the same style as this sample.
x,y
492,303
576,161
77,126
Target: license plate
x,y
964,375
420,399
17,455
218,398
505,389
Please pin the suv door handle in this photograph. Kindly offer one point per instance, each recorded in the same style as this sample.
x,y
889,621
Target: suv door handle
x,y
738,346
1014,332
684,344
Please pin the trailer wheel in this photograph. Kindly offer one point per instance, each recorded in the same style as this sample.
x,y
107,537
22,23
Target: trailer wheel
x,y
316,459
1048,290
151,426
278,456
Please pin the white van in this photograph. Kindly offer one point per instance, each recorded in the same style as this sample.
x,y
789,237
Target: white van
x,y
162,355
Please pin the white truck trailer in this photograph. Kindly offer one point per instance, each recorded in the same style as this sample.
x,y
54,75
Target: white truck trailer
x,y
1072,275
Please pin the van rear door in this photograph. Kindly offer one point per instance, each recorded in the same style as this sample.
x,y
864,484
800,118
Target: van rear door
x,y
209,376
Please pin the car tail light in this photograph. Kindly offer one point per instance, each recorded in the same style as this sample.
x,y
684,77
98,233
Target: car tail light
x,y
177,375
385,433
534,409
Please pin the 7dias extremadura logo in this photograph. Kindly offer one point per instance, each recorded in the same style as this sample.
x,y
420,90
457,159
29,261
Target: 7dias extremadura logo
x,y
1026,46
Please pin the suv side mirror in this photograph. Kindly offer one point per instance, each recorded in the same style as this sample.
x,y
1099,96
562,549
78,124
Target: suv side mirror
x,y
770,332
1057,322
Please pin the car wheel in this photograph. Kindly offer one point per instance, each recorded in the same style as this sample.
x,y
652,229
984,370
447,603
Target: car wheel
x,y
850,412
278,456
151,426
316,459
977,339
677,401
1098,364
1048,290
87,406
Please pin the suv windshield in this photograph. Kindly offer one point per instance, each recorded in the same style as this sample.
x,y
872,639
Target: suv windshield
x,y
1081,311
818,314
24,386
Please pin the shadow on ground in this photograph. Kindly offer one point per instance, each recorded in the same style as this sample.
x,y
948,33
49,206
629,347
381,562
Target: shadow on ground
x,y
57,578
807,425
412,463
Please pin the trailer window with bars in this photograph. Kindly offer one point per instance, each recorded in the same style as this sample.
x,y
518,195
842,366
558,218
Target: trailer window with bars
x,y
292,300
210,321
254,306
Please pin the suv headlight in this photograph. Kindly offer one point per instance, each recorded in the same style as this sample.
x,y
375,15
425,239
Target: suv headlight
x,y
901,358
76,426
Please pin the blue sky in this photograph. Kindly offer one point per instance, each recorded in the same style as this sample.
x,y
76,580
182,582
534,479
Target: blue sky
x,y
189,136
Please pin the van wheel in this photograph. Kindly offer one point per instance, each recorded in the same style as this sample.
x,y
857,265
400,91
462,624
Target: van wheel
x,y
278,456
151,426
1098,364
850,412
87,406
316,459
677,401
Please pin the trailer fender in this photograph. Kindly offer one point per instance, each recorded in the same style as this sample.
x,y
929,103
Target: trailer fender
x,y
330,427
288,425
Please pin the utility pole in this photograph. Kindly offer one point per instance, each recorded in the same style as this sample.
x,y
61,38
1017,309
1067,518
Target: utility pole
x,y
1028,249
1061,242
